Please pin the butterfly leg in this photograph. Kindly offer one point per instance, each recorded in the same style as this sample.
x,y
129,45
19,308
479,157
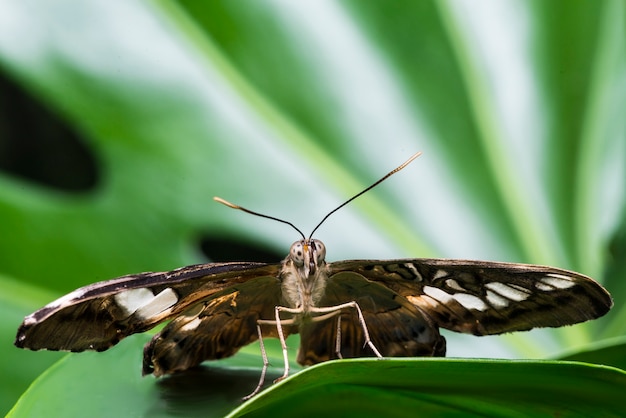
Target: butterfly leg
x,y
266,364
281,334
355,306
338,340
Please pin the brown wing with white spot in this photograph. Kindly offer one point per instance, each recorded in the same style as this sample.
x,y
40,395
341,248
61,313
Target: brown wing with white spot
x,y
396,327
215,328
485,298
98,316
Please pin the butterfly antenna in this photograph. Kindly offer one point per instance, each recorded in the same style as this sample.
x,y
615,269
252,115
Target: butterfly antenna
x,y
385,177
251,212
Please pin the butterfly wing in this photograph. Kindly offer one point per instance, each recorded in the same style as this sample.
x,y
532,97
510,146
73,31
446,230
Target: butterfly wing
x,y
215,328
98,316
484,298
396,327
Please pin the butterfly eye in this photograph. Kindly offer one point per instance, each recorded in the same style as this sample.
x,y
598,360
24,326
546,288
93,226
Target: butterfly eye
x,y
320,250
297,253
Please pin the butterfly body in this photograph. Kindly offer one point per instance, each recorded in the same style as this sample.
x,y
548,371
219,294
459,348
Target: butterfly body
x,y
310,300
304,275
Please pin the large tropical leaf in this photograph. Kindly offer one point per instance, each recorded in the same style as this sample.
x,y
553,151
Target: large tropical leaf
x,y
368,387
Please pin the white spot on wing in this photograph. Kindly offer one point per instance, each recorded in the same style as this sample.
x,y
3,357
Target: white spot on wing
x,y
161,302
144,303
29,320
191,325
470,301
496,300
508,291
558,281
455,285
439,274
544,287
411,267
437,294
133,299
467,301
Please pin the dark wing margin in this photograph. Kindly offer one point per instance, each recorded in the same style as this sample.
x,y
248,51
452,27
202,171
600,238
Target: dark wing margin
x,y
98,316
484,298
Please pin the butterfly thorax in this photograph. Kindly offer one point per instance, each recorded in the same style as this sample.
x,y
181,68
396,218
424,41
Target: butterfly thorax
x,y
304,275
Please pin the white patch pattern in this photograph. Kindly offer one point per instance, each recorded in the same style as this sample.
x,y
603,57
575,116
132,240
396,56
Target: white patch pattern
x,y
470,301
418,276
467,301
451,283
439,274
544,287
558,280
160,303
143,303
191,325
496,300
508,291
133,299
437,294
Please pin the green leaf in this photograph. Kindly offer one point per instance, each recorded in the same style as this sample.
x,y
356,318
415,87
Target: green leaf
x,y
19,368
610,352
109,384
446,387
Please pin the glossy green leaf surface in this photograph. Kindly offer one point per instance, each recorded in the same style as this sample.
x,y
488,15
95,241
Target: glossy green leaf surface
x,y
447,387
611,352
390,387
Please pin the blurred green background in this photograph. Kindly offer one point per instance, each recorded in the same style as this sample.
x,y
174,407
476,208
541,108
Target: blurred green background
x,y
121,120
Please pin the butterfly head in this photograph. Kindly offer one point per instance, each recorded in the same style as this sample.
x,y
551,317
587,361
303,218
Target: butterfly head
x,y
308,255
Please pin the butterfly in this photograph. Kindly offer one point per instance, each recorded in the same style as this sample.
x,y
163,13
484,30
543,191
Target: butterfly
x,y
343,309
